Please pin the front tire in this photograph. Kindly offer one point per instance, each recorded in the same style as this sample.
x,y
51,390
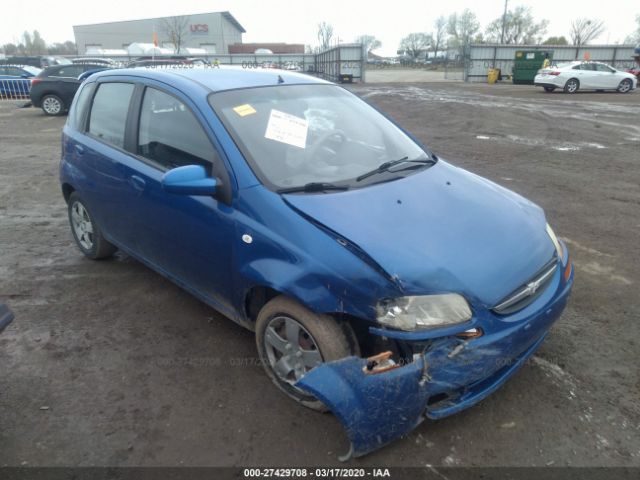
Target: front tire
x,y
292,340
625,86
86,232
572,85
52,105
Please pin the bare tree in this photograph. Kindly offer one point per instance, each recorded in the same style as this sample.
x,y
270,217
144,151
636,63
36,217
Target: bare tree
x,y
517,26
635,36
439,34
176,29
583,30
325,34
414,43
369,42
462,27
556,41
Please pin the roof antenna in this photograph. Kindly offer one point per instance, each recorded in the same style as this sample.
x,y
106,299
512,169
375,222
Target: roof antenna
x,y
280,79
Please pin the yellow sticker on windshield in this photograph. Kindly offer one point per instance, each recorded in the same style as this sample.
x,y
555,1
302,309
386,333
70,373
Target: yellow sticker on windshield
x,y
244,110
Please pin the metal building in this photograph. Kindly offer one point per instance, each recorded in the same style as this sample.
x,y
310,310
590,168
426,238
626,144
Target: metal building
x,y
212,32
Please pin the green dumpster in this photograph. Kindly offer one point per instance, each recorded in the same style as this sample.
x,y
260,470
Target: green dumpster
x,y
527,63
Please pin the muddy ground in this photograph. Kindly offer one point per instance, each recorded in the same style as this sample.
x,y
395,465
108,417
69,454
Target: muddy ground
x,y
107,363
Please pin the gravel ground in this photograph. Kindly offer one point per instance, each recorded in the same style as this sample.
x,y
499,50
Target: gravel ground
x,y
107,363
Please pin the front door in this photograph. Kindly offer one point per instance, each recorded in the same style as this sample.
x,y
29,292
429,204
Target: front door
x,y
190,238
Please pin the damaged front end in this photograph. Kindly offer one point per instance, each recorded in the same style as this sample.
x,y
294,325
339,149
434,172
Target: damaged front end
x,y
378,400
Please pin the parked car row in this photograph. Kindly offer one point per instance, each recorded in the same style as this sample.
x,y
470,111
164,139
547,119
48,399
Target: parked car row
x,y
53,88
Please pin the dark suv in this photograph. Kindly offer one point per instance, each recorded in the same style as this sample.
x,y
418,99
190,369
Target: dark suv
x,y
39,61
53,89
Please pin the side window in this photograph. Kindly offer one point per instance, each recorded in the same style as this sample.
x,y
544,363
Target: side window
x,y
82,100
602,68
170,135
109,112
67,71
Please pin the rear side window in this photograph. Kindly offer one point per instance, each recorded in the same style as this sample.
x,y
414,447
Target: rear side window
x,y
83,97
67,71
109,112
170,135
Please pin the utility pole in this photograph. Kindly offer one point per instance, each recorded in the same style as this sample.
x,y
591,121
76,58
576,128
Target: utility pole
x,y
504,20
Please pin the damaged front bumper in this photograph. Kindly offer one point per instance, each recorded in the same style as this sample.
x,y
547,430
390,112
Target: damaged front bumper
x,y
450,374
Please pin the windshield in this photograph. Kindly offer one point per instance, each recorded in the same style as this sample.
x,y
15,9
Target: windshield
x,y
295,135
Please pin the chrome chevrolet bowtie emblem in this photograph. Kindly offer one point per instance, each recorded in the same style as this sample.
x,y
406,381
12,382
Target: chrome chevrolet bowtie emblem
x,y
532,288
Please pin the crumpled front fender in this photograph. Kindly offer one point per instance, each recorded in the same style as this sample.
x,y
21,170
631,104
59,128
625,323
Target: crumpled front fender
x,y
375,409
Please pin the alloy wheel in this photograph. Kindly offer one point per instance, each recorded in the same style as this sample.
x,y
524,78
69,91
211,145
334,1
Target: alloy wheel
x,y
82,226
290,348
51,105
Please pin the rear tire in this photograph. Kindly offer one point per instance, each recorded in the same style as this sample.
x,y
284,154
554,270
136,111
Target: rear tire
x,y
52,105
292,340
625,86
549,89
86,232
572,85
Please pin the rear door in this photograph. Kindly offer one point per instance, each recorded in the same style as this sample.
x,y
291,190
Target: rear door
x,y
103,153
587,76
65,81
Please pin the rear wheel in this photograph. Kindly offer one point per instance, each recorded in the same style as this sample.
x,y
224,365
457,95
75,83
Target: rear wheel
x,y
52,105
625,86
86,232
572,85
292,340
549,89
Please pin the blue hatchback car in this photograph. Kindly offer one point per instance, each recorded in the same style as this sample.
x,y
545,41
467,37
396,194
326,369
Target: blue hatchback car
x,y
382,282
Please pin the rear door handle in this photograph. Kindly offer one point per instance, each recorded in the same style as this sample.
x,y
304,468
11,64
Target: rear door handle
x,y
137,182
79,149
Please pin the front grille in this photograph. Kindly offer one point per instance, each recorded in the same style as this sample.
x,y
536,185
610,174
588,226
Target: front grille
x,y
528,292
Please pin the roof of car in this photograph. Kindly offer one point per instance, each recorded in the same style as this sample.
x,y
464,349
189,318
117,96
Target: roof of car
x,y
216,78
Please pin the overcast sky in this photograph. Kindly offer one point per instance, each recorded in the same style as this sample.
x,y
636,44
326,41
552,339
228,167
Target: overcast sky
x,y
296,21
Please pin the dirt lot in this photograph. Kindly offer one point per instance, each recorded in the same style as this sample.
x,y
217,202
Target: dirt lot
x,y
107,363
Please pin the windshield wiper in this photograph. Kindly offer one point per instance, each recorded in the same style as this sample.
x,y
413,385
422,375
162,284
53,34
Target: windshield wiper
x,y
313,187
386,166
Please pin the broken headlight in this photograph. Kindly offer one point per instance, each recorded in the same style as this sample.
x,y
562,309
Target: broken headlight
x,y
421,312
555,241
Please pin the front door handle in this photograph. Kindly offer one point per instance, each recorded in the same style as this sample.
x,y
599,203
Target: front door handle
x,y
79,149
137,182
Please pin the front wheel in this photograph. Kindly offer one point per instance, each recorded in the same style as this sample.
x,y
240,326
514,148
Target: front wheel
x,y
549,89
625,86
292,340
52,105
572,85
86,232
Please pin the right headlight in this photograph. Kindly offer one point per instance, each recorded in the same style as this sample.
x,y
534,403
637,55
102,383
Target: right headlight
x,y
425,311
555,241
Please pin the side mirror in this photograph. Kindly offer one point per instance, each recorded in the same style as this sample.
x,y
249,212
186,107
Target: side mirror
x,y
189,180
25,75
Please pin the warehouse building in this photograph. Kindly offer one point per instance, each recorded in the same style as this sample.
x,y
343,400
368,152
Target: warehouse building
x,y
211,32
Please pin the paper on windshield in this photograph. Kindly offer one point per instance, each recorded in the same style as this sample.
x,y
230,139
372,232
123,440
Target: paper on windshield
x,y
244,110
286,128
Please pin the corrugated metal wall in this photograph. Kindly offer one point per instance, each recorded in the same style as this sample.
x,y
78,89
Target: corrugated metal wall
x,y
346,59
481,57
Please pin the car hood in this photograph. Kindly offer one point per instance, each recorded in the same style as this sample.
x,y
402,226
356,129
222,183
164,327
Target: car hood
x,y
442,229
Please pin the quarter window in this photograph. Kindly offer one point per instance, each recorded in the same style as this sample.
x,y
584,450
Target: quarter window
x,y
170,135
109,112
